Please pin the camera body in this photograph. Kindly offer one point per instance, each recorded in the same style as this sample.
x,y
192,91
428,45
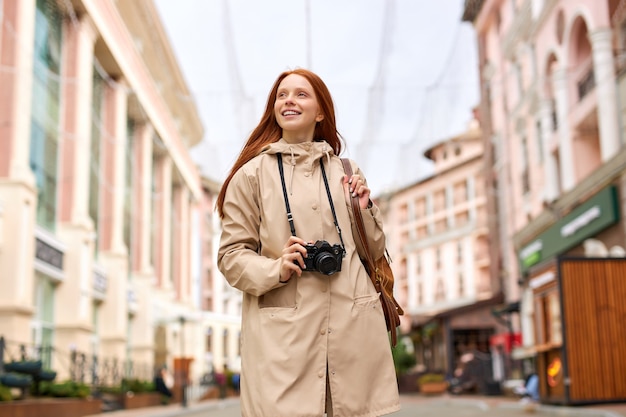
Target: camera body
x,y
324,258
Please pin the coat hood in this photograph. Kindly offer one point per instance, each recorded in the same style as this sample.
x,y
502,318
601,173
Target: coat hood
x,y
295,153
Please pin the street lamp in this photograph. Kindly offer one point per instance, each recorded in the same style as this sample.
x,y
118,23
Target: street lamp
x,y
183,370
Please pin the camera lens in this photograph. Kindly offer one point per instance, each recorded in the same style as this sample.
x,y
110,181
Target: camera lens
x,y
326,263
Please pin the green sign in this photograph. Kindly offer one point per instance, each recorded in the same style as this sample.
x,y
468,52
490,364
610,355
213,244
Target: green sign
x,y
591,217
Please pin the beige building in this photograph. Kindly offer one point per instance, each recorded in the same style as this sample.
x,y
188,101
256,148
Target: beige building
x,y
98,193
219,302
437,233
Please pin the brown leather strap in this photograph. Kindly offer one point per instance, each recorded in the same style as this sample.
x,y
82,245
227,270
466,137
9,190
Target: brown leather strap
x,y
358,220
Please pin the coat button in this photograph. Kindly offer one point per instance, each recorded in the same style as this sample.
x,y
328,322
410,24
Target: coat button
x,y
307,174
321,374
323,332
314,206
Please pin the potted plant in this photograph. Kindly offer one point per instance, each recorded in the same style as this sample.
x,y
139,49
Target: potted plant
x,y
432,383
30,367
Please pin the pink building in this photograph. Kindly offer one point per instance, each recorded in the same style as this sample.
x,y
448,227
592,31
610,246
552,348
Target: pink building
x,y
437,231
98,192
553,111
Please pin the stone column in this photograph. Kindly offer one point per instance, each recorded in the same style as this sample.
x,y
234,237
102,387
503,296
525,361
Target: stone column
x,y
113,255
560,87
604,73
142,237
17,183
16,82
180,245
551,175
74,306
163,223
142,271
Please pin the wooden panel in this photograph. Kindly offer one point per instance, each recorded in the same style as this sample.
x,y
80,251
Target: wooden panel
x,y
594,310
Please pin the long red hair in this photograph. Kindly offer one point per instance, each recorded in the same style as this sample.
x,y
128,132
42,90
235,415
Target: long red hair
x,y
268,130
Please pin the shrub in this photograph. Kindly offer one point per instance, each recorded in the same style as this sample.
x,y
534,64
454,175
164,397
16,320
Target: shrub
x,y
137,386
5,393
69,389
402,359
430,377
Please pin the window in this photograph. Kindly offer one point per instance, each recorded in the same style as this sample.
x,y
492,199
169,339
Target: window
x,y
95,173
45,109
43,320
128,195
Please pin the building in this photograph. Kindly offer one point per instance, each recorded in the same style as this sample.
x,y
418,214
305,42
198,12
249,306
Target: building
x,y
552,107
219,302
98,193
437,234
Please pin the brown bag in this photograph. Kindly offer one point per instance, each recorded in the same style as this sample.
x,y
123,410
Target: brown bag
x,y
379,271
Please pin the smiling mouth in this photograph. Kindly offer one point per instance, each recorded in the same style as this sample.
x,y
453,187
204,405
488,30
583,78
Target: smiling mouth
x,y
290,113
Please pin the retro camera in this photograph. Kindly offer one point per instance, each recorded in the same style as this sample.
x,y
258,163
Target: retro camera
x,y
323,258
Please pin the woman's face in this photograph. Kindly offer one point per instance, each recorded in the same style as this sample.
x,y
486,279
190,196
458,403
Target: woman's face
x,y
296,109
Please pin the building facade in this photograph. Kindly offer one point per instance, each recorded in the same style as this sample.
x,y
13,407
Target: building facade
x,y
219,302
553,109
437,233
98,193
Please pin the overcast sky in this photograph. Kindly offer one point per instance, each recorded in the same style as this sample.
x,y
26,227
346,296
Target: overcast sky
x,y
403,73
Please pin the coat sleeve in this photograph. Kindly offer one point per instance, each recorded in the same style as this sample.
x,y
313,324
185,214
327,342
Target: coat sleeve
x,y
373,222
238,256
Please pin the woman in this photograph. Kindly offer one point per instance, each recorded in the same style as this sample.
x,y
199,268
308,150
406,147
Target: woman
x,y
313,333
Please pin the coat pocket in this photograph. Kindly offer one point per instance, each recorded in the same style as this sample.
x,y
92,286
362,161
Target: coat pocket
x,y
284,296
364,303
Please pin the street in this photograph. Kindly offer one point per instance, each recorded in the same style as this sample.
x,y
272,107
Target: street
x,y
412,406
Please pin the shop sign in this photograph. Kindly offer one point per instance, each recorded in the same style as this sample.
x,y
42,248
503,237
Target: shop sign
x,y
588,219
48,254
100,283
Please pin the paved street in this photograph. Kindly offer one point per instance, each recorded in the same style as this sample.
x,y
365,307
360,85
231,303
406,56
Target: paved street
x,y
412,406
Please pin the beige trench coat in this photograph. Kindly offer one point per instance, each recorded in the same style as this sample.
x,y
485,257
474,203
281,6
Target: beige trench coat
x,y
294,333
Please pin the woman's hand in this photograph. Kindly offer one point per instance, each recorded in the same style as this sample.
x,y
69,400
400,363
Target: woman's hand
x,y
355,186
292,259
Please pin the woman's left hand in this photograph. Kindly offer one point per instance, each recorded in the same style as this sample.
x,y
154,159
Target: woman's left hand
x,y
355,187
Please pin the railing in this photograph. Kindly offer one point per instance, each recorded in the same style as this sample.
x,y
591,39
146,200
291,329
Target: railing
x,y
92,370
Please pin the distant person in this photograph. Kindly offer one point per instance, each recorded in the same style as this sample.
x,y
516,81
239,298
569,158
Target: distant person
x,y
163,383
221,382
314,337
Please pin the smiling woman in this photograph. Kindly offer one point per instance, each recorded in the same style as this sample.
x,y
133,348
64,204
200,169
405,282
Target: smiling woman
x,y
308,308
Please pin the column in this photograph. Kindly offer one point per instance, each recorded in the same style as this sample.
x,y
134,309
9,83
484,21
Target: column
x,y
604,73
16,81
142,271
163,213
551,176
113,254
560,85
180,245
76,130
143,197
17,183
74,303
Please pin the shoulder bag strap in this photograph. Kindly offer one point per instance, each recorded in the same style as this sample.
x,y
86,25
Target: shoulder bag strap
x,y
358,220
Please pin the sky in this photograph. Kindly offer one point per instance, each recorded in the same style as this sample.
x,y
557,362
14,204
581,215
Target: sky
x,y
403,74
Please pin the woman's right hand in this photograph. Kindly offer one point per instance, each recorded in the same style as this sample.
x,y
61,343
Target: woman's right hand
x,y
292,259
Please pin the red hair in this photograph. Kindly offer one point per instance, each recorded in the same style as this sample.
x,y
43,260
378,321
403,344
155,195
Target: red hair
x,y
268,130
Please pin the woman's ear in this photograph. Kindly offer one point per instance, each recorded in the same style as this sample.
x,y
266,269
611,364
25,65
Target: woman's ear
x,y
319,117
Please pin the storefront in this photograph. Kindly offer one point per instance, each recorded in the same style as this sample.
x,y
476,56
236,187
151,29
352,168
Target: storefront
x,y
577,300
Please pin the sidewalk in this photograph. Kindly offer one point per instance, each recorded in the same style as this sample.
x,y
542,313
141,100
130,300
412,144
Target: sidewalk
x,y
172,410
504,403
483,402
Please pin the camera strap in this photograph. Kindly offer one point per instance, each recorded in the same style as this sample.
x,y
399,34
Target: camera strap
x,y
288,208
